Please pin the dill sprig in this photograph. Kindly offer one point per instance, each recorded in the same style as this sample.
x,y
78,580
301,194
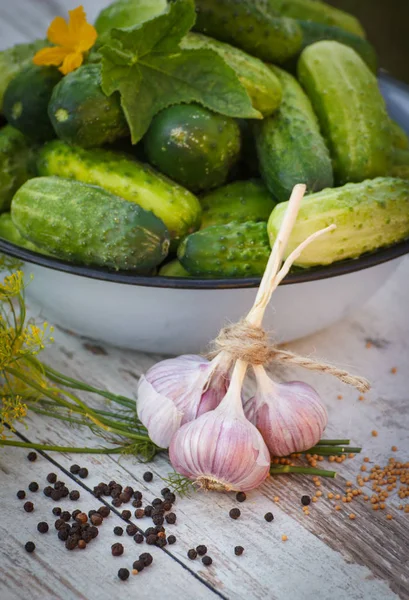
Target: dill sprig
x,y
179,484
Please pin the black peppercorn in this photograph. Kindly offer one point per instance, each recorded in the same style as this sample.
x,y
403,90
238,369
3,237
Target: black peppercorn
x,y
92,512
60,524
74,495
58,485
33,487
305,500
192,554
158,511
123,574
74,469
146,558
161,542
65,516
51,478
124,497
158,520
234,513
75,513
81,518
116,502
149,531
138,537
93,531
238,550
131,529
82,544
166,506
28,506
201,550
151,539
156,502
171,539
207,561
30,546
117,549
118,530
148,476
159,529
32,456
165,491
138,565
63,534
240,496
96,519
126,515
148,510
87,536
21,494
139,513
104,511
57,511
56,495
269,517
42,527
64,491
170,497
83,473
47,491
170,518
72,542
137,495
137,503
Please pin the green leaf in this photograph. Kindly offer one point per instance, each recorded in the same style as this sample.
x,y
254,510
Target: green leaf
x,y
150,71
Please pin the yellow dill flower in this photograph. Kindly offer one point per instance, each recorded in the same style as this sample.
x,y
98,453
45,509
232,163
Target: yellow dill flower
x,y
12,410
70,41
12,285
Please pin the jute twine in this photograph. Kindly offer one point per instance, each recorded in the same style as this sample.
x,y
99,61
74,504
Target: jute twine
x,y
251,344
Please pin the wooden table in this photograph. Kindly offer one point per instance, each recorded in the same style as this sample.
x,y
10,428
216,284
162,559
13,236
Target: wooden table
x,y
327,555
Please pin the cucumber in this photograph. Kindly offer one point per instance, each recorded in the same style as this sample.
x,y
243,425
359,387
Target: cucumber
x,y
17,163
245,24
399,137
15,59
26,101
317,12
9,232
368,216
400,166
85,224
261,84
171,269
350,108
127,13
193,145
81,113
122,175
239,201
232,250
290,146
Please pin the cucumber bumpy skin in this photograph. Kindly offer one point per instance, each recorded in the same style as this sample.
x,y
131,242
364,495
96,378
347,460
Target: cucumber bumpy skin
x,y
350,108
247,25
260,82
290,146
85,224
233,250
368,216
239,201
17,163
124,176
9,232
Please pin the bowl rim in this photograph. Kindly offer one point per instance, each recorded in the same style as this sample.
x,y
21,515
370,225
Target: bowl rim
x,y
345,267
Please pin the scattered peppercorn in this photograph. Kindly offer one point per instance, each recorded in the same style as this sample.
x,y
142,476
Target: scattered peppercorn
x,y
269,517
148,476
124,497
47,491
65,515
126,514
83,473
305,500
171,518
171,539
51,478
55,495
192,554
93,531
170,497
74,495
156,502
75,513
158,520
30,547
138,565
104,511
21,494
32,456
139,513
33,487
137,503
72,542
131,529
117,549
148,510
63,534
240,496
165,491
116,502
118,530
166,506
138,537
201,550
123,574
137,495
81,518
28,506
161,542
96,519
58,485
74,469
82,544
234,513
238,550
207,561
42,527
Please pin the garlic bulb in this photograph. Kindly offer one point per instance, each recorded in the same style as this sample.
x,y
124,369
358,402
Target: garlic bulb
x,y
222,450
178,390
290,416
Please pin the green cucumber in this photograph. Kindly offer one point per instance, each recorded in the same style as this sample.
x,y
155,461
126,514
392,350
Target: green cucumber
x,y
232,250
172,269
9,232
17,163
26,101
15,59
350,108
193,145
317,12
82,114
290,146
239,201
245,24
400,139
261,84
367,215
400,166
124,176
85,224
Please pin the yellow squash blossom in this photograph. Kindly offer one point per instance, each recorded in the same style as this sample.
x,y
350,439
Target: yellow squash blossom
x,y
71,40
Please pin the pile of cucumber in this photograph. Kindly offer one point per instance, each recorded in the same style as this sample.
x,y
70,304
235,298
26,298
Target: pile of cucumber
x,y
202,194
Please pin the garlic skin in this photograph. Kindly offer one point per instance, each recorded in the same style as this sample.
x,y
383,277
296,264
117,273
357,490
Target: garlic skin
x,y
290,416
178,390
221,450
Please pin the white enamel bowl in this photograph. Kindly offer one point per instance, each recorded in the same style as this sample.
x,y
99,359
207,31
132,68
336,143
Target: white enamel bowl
x,y
175,315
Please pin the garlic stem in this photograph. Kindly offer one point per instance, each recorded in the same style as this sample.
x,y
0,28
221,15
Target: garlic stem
x,y
236,384
282,469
